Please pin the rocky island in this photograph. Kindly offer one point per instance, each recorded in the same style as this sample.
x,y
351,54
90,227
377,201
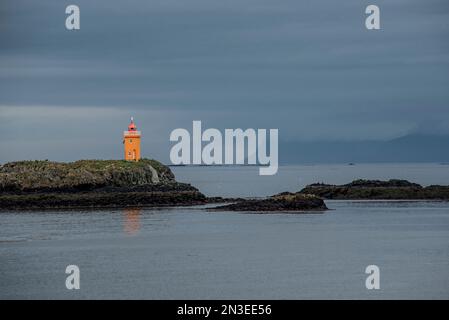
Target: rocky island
x,y
282,202
393,189
120,183
92,183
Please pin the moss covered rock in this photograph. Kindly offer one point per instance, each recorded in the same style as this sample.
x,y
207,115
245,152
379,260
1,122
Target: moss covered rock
x,y
30,176
92,183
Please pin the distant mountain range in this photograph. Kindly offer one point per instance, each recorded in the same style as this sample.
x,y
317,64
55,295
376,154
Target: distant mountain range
x,y
411,148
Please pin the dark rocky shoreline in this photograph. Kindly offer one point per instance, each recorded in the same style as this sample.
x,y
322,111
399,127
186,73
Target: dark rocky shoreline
x,y
92,184
283,202
148,183
101,200
117,184
393,189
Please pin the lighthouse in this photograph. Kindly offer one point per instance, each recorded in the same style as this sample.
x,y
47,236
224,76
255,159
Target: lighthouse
x,y
131,141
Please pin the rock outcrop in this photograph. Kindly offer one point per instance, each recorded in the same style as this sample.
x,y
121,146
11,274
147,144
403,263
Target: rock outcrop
x,y
378,190
283,202
92,183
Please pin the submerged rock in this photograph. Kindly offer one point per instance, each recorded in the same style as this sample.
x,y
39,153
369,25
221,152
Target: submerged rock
x,y
92,183
393,189
283,202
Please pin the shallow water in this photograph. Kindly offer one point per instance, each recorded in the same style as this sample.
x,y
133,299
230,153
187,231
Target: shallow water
x,y
189,253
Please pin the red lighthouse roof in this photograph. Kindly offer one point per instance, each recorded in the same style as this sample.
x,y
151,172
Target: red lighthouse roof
x,y
132,126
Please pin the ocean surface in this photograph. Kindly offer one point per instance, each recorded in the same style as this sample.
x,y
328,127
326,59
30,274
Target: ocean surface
x,y
190,253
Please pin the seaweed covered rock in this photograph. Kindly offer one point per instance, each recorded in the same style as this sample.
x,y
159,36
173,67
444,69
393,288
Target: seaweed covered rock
x,y
393,189
283,202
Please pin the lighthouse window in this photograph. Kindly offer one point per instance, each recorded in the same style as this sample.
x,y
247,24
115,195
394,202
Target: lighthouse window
x,y
129,153
130,140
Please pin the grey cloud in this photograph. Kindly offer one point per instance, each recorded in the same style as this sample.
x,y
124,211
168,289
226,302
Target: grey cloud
x,y
307,67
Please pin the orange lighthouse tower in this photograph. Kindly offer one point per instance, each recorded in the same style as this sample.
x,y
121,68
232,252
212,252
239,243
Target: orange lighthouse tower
x,y
131,141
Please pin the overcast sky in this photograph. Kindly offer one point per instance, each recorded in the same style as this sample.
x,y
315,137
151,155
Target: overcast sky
x,y
309,68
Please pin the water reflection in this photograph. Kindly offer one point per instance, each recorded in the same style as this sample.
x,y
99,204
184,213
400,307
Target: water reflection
x,y
131,220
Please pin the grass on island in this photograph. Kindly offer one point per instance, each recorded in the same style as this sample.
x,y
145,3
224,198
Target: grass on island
x,y
89,165
40,174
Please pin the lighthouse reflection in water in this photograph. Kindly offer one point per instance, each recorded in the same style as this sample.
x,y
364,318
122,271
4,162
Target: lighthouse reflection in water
x,y
131,220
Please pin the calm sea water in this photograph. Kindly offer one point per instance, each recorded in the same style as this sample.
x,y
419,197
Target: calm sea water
x,y
189,253
245,181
